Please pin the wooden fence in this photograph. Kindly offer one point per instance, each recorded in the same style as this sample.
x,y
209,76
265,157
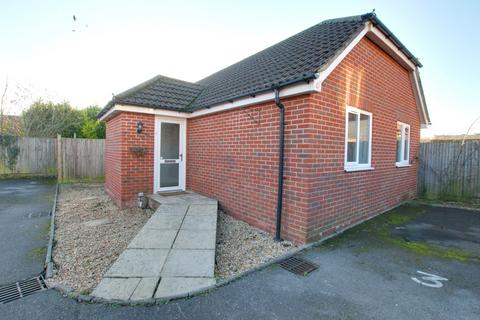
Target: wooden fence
x,y
65,158
450,170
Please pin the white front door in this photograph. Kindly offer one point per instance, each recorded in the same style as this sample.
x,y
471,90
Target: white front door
x,y
169,154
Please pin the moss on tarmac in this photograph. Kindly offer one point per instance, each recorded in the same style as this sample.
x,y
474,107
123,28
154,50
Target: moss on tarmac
x,y
378,232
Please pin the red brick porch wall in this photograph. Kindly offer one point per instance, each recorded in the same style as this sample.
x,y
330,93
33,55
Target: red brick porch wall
x,y
127,174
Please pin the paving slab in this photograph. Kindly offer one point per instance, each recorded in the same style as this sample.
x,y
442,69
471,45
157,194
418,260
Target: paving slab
x,y
177,242
153,239
202,209
200,222
194,198
172,209
116,288
169,199
145,289
189,263
138,263
159,221
176,286
195,239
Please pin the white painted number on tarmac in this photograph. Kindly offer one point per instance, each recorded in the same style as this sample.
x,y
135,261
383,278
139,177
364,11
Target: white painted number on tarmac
x,y
429,280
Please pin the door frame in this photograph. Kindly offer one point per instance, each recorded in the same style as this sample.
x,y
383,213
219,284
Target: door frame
x,y
182,149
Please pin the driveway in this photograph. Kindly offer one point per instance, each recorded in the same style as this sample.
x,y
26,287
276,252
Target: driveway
x,y
25,207
378,270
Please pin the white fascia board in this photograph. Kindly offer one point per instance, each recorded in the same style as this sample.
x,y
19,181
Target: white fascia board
x,y
420,100
136,109
292,90
379,38
323,74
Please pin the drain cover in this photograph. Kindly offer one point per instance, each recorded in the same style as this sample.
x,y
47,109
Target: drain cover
x,y
21,289
298,266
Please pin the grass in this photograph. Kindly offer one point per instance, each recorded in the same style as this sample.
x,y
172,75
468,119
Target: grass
x,y
44,234
378,231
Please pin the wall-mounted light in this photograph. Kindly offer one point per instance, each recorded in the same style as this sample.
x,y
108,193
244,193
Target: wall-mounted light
x,y
139,127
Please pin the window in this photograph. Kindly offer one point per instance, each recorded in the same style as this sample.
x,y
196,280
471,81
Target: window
x,y
403,144
358,137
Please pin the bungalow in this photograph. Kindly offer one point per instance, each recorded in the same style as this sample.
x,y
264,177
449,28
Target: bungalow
x,y
303,139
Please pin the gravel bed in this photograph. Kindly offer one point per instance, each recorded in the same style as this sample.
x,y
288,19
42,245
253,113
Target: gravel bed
x,y
241,247
91,232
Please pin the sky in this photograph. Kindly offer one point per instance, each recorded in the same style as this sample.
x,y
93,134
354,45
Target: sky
x,y
118,44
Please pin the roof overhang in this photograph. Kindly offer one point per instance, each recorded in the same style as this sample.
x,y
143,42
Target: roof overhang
x,y
287,91
370,31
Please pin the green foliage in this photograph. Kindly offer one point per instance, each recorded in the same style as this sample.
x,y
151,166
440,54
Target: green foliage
x,y
48,119
9,150
92,128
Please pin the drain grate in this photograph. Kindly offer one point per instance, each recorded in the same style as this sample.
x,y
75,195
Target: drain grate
x,y
21,289
298,266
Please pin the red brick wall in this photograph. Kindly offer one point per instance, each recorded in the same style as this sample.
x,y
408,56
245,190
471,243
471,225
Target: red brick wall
x,y
127,174
370,80
233,156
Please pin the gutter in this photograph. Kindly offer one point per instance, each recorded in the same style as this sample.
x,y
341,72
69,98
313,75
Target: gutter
x,y
306,77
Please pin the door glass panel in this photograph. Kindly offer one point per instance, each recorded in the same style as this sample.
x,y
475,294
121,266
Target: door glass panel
x,y
169,175
364,139
169,145
352,137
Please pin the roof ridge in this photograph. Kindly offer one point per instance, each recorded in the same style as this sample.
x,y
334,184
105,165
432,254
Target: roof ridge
x,y
127,93
356,18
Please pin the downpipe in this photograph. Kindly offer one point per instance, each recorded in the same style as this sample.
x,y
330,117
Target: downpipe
x,y
281,148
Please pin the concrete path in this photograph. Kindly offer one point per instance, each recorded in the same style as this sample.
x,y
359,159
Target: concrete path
x,y
174,252
25,207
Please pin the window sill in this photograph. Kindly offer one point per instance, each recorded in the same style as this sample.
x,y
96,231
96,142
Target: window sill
x,y
354,169
403,165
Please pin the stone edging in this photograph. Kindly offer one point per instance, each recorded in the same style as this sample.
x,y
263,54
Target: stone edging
x,y
446,205
48,259
69,292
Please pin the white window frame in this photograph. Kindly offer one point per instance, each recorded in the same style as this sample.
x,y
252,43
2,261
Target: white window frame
x,y
355,166
403,162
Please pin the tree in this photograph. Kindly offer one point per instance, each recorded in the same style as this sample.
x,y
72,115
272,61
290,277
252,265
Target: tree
x,y
3,103
47,119
92,128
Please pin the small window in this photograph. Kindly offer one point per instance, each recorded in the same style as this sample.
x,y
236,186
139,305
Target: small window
x,y
403,144
358,137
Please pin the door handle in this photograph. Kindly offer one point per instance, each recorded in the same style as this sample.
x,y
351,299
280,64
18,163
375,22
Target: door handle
x,y
181,156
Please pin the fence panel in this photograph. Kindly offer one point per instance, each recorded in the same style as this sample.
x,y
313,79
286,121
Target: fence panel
x,y
449,169
80,158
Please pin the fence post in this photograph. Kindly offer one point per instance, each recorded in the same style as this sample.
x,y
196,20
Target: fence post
x,y
59,158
